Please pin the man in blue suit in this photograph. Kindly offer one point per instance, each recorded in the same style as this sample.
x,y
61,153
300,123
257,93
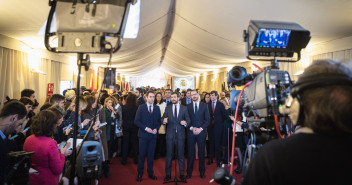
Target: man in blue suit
x,y
199,115
148,119
215,130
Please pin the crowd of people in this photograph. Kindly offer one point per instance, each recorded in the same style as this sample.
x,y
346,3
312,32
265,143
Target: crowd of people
x,y
153,123
129,130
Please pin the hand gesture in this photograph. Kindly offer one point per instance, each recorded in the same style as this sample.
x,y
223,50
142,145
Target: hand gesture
x,y
155,131
194,130
149,130
183,123
64,150
96,125
239,123
85,122
232,118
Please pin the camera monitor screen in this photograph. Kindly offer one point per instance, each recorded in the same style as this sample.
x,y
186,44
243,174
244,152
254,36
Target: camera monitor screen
x,y
273,38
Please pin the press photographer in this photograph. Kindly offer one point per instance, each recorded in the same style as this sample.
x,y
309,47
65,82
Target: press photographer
x,y
321,104
12,115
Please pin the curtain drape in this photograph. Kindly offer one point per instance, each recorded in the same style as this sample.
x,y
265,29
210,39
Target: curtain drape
x,y
14,73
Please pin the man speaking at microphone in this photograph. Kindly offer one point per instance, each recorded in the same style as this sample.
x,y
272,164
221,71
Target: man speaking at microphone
x,y
176,119
148,120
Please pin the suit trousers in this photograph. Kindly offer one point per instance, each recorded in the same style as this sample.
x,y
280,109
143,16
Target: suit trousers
x,y
215,133
170,151
192,139
130,140
146,148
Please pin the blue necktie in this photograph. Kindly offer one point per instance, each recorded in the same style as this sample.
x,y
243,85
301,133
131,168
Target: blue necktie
x,y
195,110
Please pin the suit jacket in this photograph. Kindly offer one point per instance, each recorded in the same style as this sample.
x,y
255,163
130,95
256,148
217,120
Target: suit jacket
x,y
184,102
47,160
141,101
174,123
145,119
4,160
169,103
202,120
219,115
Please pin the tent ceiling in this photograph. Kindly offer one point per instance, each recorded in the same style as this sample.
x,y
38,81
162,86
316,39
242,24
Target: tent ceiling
x,y
194,36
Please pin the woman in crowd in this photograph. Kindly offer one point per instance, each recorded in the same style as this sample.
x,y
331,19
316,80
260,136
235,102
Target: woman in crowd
x,y
69,96
161,140
241,137
206,98
130,130
227,136
107,114
88,113
47,159
117,144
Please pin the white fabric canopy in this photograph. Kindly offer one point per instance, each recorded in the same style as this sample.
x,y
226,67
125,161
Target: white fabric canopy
x,y
188,37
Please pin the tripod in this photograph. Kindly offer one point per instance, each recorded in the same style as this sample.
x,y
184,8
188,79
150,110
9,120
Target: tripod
x,y
176,160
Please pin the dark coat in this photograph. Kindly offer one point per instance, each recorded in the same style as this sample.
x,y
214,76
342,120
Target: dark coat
x,y
202,120
145,119
174,123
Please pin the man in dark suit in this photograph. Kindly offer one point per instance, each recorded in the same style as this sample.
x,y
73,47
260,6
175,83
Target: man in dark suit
x,y
177,120
199,114
188,99
215,130
148,119
12,115
140,98
168,97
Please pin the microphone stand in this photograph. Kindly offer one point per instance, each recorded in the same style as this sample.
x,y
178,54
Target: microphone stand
x,y
176,160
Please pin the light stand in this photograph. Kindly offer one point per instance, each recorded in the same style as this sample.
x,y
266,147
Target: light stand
x,y
80,62
80,41
176,160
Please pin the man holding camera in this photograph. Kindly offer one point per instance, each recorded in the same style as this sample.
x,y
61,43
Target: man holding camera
x,y
176,117
11,116
320,151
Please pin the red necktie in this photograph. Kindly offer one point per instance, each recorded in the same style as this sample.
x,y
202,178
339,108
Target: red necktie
x,y
150,109
213,107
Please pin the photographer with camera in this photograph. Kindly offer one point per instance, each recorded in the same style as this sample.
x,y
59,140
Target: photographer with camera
x,y
11,116
321,104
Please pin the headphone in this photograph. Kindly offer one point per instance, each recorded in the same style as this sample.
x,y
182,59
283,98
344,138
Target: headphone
x,y
293,104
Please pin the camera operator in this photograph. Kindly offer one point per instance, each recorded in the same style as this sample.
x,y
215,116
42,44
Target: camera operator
x,y
320,151
12,115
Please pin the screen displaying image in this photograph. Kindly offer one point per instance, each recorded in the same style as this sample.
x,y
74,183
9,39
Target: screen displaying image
x,y
273,38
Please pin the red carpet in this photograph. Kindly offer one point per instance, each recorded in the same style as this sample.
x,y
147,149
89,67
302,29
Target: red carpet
x,y
126,175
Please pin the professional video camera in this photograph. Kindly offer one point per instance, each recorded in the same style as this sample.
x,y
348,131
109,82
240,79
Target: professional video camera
x,y
266,90
268,41
20,163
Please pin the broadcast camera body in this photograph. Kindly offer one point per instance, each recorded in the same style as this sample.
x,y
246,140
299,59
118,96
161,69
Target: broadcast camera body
x,y
267,90
268,41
